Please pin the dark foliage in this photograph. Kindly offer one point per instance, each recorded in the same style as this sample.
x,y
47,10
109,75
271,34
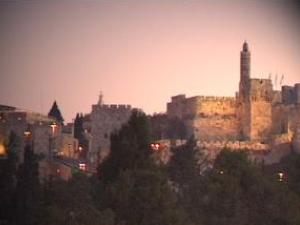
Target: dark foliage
x,y
70,202
131,184
176,129
158,126
184,164
55,113
27,196
79,134
8,178
236,191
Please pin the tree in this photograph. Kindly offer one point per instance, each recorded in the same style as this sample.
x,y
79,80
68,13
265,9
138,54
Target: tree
x,y
184,164
79,134
158,126
237,192
291,168
28,190
129,148
176,129
8,167
55,113
131,184
71,203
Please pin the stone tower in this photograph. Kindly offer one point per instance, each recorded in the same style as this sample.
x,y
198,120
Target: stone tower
x,y
245,72
105,120
254,102
243,100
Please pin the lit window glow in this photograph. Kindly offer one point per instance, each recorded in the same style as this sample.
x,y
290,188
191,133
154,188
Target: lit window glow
x,y
82,166
2,150
155,146
280,176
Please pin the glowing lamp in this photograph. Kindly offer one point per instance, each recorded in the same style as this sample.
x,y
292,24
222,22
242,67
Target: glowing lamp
x,y
53,126
155,146
2,150
82,166
280,176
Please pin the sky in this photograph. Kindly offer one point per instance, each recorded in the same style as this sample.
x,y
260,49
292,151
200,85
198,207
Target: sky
x,y
140,52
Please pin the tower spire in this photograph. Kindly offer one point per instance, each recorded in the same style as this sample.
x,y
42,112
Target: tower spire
x,y
245,66
245,46
100,100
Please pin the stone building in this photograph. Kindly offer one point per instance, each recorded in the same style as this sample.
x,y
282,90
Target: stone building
x,y
103,121
257,113
18,121
46,132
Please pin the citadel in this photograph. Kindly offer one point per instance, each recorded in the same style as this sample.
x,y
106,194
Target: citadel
x,y
259,119
256,113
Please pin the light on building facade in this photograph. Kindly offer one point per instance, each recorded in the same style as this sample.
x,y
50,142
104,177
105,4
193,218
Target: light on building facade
x,y
27,132
155,146
2,150
53,127
280,176
82,166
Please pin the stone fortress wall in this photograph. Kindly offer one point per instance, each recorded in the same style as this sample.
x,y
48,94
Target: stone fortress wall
x,y
258,118
207,118
104,120
259,152
19,121
255,119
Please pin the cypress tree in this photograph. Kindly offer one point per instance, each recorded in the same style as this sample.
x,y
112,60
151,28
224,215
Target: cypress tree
x,y
27,190
55,113
8,166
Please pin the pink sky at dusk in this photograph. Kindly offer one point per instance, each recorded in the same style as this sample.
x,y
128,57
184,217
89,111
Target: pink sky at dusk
x,y
139,52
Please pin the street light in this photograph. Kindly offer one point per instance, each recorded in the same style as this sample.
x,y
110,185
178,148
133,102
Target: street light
x,y
280,176
69,150
53,126
27,132
51,139
155,146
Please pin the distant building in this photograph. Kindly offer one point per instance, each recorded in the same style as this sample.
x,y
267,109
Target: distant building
x,y
48,137
100,124
18,121
257,113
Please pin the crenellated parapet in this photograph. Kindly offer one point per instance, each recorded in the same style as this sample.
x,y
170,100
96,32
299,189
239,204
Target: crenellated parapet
x,y
111,107
182,98
291,94
104,120
216,98
234,145
261,90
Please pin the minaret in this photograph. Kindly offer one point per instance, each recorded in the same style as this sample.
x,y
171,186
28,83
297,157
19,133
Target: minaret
x,y
245,70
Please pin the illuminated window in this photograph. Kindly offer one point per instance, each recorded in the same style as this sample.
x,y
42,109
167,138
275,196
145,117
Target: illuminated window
x,y
2,150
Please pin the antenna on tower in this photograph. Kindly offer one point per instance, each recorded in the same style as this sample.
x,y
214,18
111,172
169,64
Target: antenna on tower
x,y
41,100
281,80
275,82
100,101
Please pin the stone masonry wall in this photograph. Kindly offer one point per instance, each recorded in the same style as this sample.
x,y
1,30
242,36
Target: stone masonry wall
x,y
208,118
105,119
261,120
